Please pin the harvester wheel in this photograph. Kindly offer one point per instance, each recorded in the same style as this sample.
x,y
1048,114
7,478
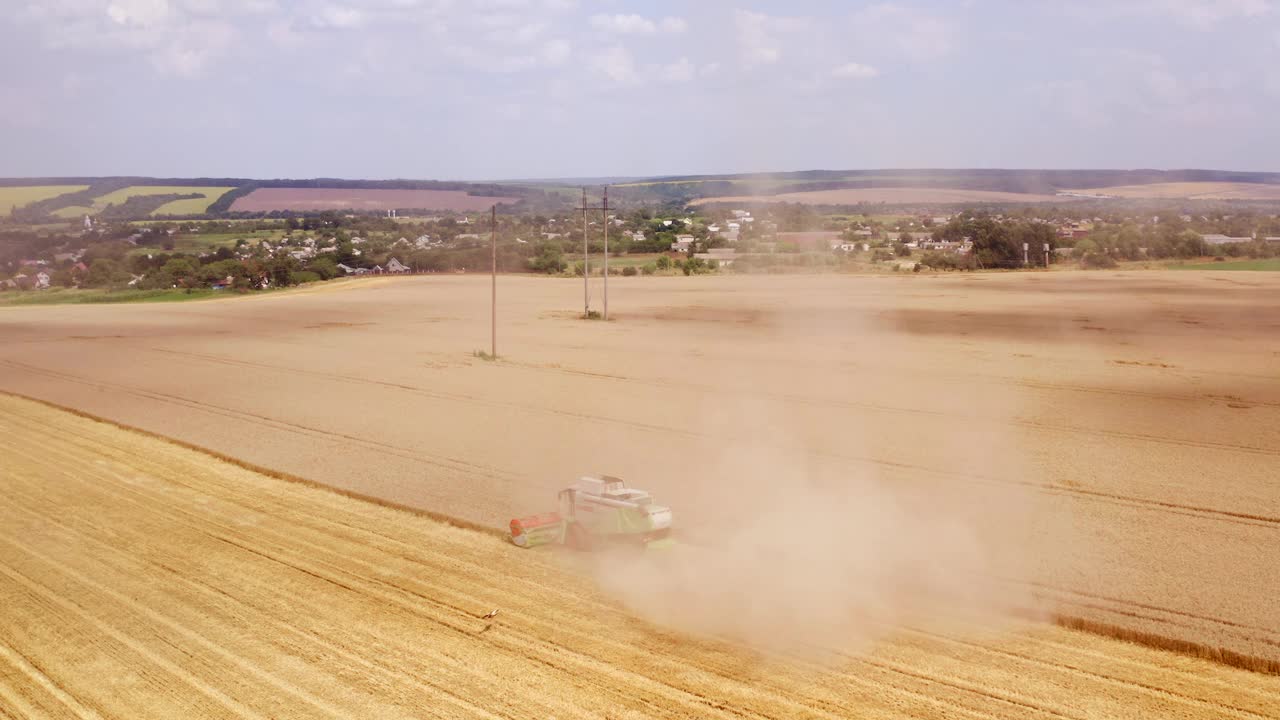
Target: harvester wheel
x,y
577,538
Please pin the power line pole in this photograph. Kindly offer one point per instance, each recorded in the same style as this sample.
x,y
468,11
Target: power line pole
x,y
586,260
606,252
493,325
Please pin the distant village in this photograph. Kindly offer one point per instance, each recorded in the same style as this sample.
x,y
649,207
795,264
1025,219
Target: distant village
x,y
260,254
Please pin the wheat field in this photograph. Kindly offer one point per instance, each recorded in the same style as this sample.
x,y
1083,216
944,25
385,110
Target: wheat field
x,y
1095,449
144,579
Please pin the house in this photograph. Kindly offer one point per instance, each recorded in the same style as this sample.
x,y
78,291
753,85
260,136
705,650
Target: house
x,y
682,243
348,270
42,280
395,266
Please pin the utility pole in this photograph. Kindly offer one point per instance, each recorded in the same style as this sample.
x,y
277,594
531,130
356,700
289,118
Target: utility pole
x,y
493,320
586,259
606,253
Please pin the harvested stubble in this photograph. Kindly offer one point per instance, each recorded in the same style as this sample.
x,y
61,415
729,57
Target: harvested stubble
x,y
143,579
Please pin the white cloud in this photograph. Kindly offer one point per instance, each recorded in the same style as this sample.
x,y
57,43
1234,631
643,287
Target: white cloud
x,y
855,70
1204,14
679,71
1194,14
905,31
556,52
757,44
138,13
337,17
616,64
623,24
673,25
632,24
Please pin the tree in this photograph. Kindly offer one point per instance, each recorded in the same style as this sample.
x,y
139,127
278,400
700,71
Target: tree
x,y
663,262
324,266
105,272
549,260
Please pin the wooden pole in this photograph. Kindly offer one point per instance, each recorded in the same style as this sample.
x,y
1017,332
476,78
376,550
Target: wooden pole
x,y
493,320
586,260
606,253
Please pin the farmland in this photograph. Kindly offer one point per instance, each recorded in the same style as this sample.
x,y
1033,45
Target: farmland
x,y
302,199
1092,447
1271,265
203,588
193,206
14,197
1193,191
886,195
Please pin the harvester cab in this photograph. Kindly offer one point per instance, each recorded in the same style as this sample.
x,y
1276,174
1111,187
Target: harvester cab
x,y
596,510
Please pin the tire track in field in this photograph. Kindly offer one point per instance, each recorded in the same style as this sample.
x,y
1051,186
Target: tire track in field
x,y
44,682
211,591
1129,501
1076,669
1156,608
122,638
1146,666
143,540
1120,608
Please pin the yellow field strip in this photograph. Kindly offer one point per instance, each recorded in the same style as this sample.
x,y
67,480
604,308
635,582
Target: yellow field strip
x,y
141,578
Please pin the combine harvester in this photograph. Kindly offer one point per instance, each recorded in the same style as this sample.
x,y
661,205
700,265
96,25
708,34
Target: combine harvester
x,y
595,512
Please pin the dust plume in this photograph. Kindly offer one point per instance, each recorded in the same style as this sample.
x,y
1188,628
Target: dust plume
x,y
787,545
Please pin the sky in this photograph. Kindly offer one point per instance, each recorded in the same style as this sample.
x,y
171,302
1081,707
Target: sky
x,y
508,89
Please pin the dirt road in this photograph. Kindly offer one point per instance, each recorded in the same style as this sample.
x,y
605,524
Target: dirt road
x,y
1102,446
142,579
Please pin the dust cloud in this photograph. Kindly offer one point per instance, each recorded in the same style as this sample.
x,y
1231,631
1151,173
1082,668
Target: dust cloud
x,y
787,545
